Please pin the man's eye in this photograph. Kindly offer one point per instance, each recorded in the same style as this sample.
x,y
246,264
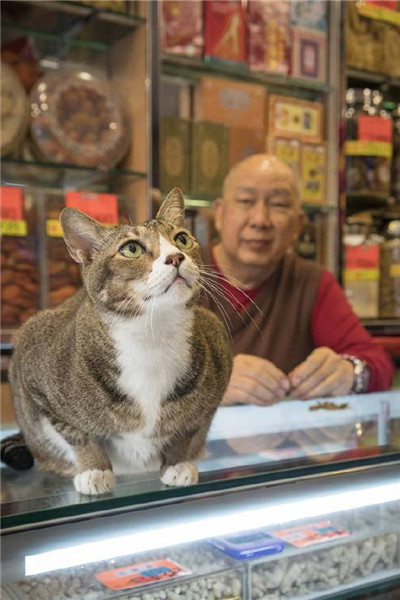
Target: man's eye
x,y
244,200
279,205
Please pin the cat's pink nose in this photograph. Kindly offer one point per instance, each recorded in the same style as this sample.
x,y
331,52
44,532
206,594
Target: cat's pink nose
x,y
175,259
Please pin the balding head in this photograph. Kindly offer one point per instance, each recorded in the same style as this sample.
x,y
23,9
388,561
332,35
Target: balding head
x,y
261,166
258,218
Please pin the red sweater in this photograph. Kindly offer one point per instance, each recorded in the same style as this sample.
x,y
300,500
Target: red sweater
x,y
335,325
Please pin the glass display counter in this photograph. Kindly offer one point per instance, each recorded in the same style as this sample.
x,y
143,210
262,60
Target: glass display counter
x,y
296,500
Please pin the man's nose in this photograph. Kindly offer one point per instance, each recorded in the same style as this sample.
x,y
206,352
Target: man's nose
x,y
260,215
175,259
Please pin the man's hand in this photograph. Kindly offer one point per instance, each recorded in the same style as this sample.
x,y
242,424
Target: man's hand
x,y
323,373
255,380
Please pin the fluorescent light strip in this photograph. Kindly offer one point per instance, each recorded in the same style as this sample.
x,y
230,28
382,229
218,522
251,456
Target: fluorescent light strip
x,y
203,528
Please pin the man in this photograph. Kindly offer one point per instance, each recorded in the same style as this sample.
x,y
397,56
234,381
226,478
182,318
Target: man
x,y
293,331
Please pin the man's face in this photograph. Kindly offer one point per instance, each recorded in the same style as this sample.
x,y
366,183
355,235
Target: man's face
x,y
259,217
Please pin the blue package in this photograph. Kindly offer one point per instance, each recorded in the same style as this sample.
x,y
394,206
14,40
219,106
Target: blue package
x,y
249,544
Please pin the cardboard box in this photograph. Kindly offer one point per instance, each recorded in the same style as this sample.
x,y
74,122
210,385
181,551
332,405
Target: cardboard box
x,y
234,103
295,118
225,30
308,58
176,98
243,143
313,173
182,27
209,157
268,23
309,14
288,150
175,154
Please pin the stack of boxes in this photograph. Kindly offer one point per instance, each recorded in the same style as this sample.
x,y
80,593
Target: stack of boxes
x,y
212,123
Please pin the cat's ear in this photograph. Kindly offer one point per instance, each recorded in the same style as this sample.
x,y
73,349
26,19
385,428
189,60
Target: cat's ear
x,y
173,208
82,234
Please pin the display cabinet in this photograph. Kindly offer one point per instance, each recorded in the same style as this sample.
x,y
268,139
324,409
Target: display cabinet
x,y
371,42
294,501
49,49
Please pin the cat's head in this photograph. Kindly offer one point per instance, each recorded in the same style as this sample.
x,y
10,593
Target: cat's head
x,y
132,269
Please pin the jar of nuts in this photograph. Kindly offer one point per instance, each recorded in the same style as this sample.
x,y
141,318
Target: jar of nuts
x,y
389,288
62,272
20,292
369,138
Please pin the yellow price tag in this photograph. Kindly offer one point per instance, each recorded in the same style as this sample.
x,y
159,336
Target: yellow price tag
x,y
357,148
53,228
379,13
394,270
361,274
16,228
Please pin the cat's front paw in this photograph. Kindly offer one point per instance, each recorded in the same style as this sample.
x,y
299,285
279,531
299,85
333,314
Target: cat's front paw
x,y
94,482
185,473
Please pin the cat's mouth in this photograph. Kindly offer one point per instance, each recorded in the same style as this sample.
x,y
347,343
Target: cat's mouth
x,y
178,279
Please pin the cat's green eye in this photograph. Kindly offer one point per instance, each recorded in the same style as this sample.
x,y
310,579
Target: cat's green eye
x,y
131,250
183,241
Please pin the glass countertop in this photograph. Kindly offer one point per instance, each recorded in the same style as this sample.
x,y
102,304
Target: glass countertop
x,y
247,446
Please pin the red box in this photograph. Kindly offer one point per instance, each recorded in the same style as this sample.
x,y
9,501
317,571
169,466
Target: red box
x,y
308,54
268,22
225,30
182,27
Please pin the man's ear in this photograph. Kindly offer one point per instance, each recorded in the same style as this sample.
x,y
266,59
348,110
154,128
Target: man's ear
x,y
82,234
172,209
217,210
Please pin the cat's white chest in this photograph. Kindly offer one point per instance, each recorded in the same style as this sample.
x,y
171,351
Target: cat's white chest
x,y
152,355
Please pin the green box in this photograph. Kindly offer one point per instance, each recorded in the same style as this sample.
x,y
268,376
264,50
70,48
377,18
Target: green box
x,y
209,157
175,154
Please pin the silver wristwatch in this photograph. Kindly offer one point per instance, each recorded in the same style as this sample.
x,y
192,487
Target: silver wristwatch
x,y
361,372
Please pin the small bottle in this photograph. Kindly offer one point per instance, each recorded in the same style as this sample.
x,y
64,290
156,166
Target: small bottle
x,y
307,241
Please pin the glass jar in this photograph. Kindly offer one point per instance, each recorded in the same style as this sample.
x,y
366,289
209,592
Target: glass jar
x,y
361,266
396,153
368,143
389,288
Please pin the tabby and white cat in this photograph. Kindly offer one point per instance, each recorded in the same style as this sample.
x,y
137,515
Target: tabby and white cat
x,y
130,366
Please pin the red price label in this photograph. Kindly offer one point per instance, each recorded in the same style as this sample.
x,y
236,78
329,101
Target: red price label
x,y
375,129
390,4
11,204
362,257
102,207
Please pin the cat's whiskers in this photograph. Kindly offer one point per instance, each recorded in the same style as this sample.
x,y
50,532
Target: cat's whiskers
x,y
209,270
229,296
224,314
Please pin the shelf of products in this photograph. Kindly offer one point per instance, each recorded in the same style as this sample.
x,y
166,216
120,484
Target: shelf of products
x,y
83,25
365,77
192,68
60,175
371,206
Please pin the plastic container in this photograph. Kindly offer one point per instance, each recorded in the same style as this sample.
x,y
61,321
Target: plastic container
x,y
396,154
20,292
77,119
389,287
369,143
250,544
62,272
361,272
14,111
